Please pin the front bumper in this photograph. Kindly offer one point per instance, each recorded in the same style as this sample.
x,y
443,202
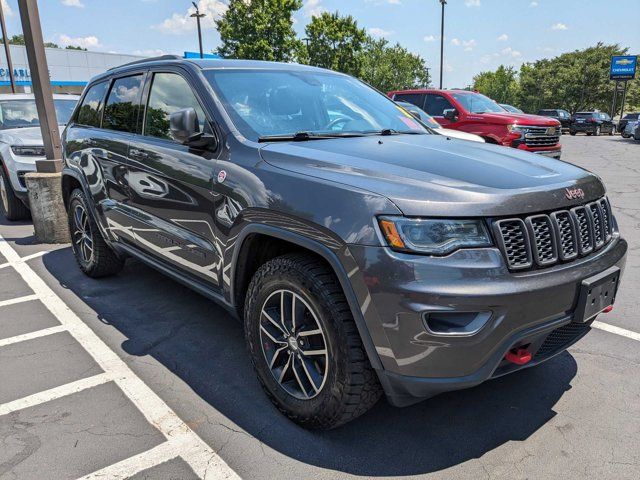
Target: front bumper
x,y
524,306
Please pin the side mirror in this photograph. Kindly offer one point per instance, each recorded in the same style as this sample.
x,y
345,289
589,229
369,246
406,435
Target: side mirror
x,y
450,114
183,125
185,129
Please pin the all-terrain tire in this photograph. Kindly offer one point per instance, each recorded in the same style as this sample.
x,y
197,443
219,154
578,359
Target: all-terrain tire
x,y
351,386
103,261
10,205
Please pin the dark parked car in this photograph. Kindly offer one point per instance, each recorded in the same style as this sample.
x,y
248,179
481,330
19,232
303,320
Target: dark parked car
x,y
632,130
592,123
562,116
364,253
629,117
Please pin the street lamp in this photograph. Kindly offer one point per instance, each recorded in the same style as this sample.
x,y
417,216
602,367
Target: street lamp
x,y
198,16
443,3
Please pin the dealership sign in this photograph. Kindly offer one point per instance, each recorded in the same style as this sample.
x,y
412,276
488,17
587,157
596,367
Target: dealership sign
x,y
20,74
623,67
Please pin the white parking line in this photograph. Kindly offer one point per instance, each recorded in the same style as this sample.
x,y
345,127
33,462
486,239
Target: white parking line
x,y
30,336
617,330
204,461
12,301
54,393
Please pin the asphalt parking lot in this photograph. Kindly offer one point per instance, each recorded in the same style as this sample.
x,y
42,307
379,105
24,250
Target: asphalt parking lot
x,y
137,376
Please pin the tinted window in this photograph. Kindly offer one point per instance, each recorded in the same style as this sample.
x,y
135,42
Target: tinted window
x,y
23,113
416,99
121,112
477,103
437,104
169,93
584,115
631,116
547,113
92,104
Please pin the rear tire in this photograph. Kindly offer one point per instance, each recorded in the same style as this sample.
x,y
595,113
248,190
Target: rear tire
x,y
94,257
573,134
317,391
10,205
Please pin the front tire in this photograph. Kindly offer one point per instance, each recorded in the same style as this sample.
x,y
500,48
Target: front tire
x,y
94,257
304,344
10,205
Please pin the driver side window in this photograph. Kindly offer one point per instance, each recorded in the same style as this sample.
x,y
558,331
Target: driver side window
x,y
437,104
169,93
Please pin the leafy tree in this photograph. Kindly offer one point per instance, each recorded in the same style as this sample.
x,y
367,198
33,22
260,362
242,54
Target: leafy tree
x,y
392,67
259,30
336,42
75,47
501,85
19,40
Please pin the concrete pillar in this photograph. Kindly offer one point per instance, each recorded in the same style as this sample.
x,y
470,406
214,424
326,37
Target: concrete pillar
x,y
47,208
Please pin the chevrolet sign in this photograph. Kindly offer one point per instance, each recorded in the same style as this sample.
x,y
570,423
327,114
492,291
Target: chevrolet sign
x,y
623,67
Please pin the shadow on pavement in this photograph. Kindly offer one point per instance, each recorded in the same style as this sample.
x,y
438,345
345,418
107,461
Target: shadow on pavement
x,y
200,343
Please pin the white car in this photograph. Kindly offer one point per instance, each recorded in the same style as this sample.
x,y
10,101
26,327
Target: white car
x,y
21,145
428,120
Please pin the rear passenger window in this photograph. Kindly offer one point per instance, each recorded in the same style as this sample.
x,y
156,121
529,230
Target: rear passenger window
x,y
92,105
415,98
121,111
169,93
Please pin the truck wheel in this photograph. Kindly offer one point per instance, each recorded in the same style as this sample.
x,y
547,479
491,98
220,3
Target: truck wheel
x,y
573,134
94,257
304,344
10,205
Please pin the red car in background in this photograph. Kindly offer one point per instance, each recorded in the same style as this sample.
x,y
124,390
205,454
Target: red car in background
x,y
474,113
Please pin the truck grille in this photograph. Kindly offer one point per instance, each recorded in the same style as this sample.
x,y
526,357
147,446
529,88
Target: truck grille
x,y
544,240
542,136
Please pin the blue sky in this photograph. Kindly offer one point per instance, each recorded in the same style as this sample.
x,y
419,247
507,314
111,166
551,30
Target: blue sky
x,y
479,34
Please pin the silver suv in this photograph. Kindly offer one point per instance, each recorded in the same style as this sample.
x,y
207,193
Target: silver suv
x,y
21,145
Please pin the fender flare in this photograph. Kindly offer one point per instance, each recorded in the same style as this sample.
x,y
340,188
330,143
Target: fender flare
x,y
332,259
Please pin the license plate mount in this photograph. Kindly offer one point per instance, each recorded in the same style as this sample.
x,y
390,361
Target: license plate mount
x,y
596,294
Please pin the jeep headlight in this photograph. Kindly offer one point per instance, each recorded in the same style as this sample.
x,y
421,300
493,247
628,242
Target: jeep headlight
x,y
434,236
28,151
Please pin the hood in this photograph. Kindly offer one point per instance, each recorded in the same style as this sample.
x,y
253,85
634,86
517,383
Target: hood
x,y
506,118
438,176
24,136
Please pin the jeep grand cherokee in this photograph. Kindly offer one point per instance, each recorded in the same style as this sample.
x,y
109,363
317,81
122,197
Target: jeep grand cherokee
x,y
364,253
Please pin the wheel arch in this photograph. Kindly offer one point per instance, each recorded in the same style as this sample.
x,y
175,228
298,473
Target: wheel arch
x,y
242,268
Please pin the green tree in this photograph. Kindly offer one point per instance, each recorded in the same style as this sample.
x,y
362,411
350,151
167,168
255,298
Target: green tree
x,y
259,30
501,85
392,67
336,42
19,40
75,47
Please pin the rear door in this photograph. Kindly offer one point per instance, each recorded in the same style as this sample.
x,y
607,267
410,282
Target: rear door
x,y
98,143
170,183
416,99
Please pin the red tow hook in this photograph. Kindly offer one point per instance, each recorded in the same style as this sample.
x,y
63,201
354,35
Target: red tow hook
x,y
608,309
519,356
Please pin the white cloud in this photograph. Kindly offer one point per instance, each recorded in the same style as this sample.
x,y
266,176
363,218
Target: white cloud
x,y
429,38
503,38
6,8
559,26
448,67
180,23
380,32
510,52
533,4
468,45
456,42
73,3
153,52
91,42
313,8
472,3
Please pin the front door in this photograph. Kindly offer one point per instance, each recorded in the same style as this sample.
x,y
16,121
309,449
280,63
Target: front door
x,y
170,184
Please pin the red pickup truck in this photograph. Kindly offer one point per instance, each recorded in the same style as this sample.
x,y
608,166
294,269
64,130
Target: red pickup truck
x,y
474,113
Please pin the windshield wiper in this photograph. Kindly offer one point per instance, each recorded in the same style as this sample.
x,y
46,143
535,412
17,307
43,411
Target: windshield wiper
x,y
390,131
304,136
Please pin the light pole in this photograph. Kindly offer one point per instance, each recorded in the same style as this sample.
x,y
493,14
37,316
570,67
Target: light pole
x,y
7,50
198,16
443,3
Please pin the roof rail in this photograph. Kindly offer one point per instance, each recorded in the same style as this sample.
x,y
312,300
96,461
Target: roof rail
x,y
150,59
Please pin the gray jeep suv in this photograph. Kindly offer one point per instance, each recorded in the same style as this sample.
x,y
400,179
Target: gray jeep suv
x,y
364,253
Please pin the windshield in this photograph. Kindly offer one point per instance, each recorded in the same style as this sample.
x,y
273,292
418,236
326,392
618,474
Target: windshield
x,y
477,103
23,113
267,103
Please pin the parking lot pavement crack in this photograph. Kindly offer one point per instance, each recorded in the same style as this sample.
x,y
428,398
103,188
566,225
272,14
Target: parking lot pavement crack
x,y
20,434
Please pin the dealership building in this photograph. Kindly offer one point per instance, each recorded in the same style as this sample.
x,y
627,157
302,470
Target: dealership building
x,y
70,70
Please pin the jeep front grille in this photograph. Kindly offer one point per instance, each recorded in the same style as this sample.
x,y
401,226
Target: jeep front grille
x,y
546,239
